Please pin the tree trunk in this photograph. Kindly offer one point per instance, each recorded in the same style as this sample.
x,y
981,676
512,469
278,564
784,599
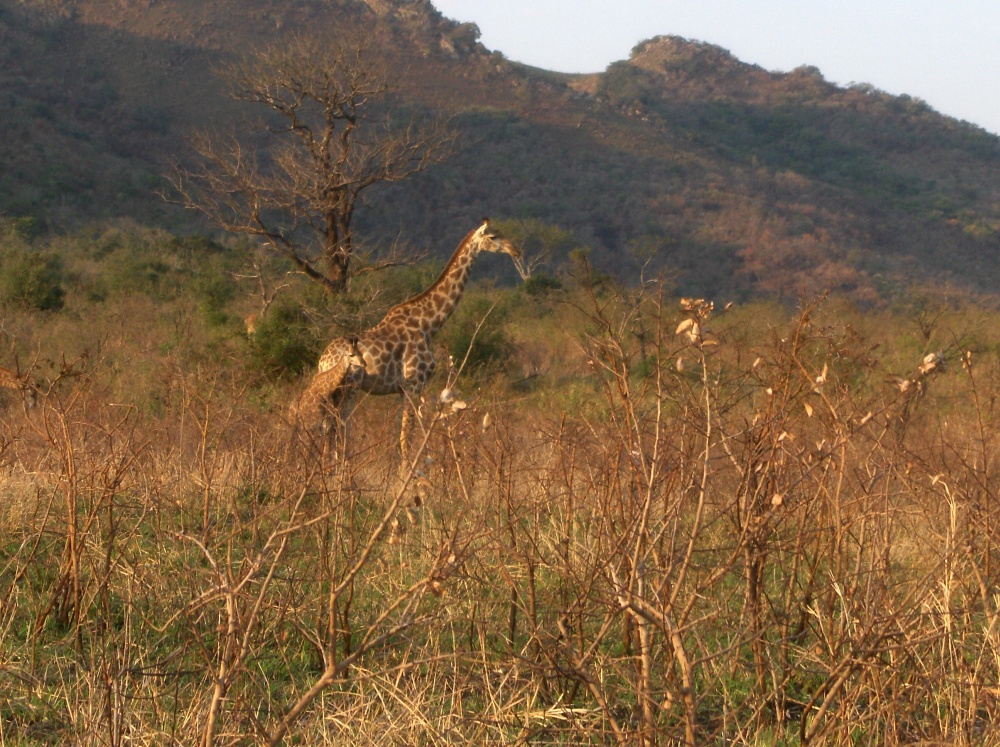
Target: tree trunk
x,y
338,263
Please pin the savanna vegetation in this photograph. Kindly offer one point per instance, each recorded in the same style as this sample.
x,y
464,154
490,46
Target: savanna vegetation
x,y
720,472
649,520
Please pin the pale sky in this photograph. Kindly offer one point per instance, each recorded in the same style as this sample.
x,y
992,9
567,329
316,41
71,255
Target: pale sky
x,y
946,52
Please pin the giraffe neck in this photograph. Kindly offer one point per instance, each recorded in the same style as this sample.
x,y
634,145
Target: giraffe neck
x,y
433,307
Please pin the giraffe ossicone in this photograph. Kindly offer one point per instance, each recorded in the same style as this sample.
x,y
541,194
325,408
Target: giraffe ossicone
x,y
396,354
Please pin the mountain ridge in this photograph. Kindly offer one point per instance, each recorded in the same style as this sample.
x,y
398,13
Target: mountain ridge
x,y
735,179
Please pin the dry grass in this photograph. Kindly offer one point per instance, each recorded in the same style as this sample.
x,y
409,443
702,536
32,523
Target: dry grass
x,y
770,546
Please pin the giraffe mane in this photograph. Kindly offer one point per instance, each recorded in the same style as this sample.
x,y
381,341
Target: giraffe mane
x,y
454,258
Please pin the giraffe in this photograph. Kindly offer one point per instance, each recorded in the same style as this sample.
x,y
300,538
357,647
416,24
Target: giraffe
x,y
397,353
321,402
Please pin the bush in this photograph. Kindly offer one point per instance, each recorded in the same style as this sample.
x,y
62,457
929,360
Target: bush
x,y
128,272
25,228
32,280
477,330
541,284
215,291
785,534
284,344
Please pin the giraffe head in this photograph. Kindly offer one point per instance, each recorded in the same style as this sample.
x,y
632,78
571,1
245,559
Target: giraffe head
x,y
488,239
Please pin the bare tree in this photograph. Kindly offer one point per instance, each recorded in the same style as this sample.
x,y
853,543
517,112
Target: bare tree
x,y
327,145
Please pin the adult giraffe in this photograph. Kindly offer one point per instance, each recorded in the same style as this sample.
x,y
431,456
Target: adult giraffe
x,y
396,352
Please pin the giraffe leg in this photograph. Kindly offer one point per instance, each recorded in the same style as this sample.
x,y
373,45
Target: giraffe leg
x,y
405,431
341,426
329,436
410,417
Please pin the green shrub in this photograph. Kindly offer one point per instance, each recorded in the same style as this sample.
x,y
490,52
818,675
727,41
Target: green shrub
x,y
541,284
130,272
215,290
477,329
284,344
32,280
25,228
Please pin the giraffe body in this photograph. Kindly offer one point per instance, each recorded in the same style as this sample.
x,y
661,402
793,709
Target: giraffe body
x,y
397,353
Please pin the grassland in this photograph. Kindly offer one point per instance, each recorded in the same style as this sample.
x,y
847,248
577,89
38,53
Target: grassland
x,y
656,521
773,527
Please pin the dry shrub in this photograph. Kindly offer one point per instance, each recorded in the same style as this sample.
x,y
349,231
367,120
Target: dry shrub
x,y
743,539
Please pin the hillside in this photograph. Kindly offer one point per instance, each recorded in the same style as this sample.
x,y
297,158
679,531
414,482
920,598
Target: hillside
x,y
737,179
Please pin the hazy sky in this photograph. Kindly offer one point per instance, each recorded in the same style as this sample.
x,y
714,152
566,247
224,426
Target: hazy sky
x,y
946,52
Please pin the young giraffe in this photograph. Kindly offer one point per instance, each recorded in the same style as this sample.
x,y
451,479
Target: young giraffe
x,y
320,404
397,353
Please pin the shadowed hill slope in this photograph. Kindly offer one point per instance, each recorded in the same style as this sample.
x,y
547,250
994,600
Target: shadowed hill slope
x,y
737,179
